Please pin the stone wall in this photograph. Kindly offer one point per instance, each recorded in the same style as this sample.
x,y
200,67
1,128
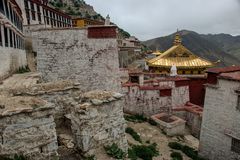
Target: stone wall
x,y
27,128
151,99
11,60
192,114
94,119
220,121
99,122
145,102
194,121
180,95
70,54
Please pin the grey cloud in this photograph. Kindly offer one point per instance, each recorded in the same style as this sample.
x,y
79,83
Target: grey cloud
x,y
153,18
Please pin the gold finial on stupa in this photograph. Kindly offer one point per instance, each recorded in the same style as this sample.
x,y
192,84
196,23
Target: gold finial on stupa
x,y
177,40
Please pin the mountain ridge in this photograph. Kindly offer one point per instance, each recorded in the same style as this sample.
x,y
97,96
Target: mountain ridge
x,y
205,46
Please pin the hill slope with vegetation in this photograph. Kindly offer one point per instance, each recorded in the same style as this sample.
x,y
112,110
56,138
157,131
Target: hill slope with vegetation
x,y
211,47
79,8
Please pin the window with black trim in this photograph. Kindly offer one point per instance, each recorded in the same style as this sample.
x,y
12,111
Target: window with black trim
x,y
26,4
39,18
32,6
1,7
6,36
1,35
235,145
11,13
14,40
238,102
6,8
11,38
33,15
38,9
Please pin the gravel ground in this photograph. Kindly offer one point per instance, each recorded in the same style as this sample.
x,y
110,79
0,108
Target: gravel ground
x,y
153,134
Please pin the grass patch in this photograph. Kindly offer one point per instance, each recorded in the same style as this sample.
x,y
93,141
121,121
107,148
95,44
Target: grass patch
x,y
152,122
135,118
114,151
139,119
148,141
22,70
163,132
16,157
92,157
176,156
145,152
190,152
134,134
175,145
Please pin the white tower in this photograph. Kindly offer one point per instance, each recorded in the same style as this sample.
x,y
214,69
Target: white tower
x,y
173,71
107,20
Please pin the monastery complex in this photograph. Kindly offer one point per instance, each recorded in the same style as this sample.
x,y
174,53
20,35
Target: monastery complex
x,y
77,87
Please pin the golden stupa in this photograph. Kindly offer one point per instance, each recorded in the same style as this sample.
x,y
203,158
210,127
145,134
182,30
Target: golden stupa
x,y
179,56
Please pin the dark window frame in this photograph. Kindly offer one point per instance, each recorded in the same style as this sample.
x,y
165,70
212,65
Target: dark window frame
x,y
2,7
235,147
6,36
7,9
1,36
33,15
238,102
11,37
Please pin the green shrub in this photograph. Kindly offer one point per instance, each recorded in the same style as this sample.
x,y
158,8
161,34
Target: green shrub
x,y
114,151
4,158
132,155
144,152
16,157
152,122
23,70
135,118
190,152
92,157
58,4
163,132
134,134
175,145
148,141
176,156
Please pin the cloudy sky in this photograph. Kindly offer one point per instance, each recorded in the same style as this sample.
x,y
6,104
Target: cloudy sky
x,y
148,19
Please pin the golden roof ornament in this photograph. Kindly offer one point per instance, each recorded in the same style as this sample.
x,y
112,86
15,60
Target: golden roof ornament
x,y
177,40
179,56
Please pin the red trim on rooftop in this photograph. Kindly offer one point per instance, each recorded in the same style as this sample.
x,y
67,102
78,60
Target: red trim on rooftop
x,y
128,84
182,83
174,79
190,107
154,87
102,32
224,69
230,76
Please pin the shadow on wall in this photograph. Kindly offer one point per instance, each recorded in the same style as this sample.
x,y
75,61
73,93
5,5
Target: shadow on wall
x,y
14,64
31,55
